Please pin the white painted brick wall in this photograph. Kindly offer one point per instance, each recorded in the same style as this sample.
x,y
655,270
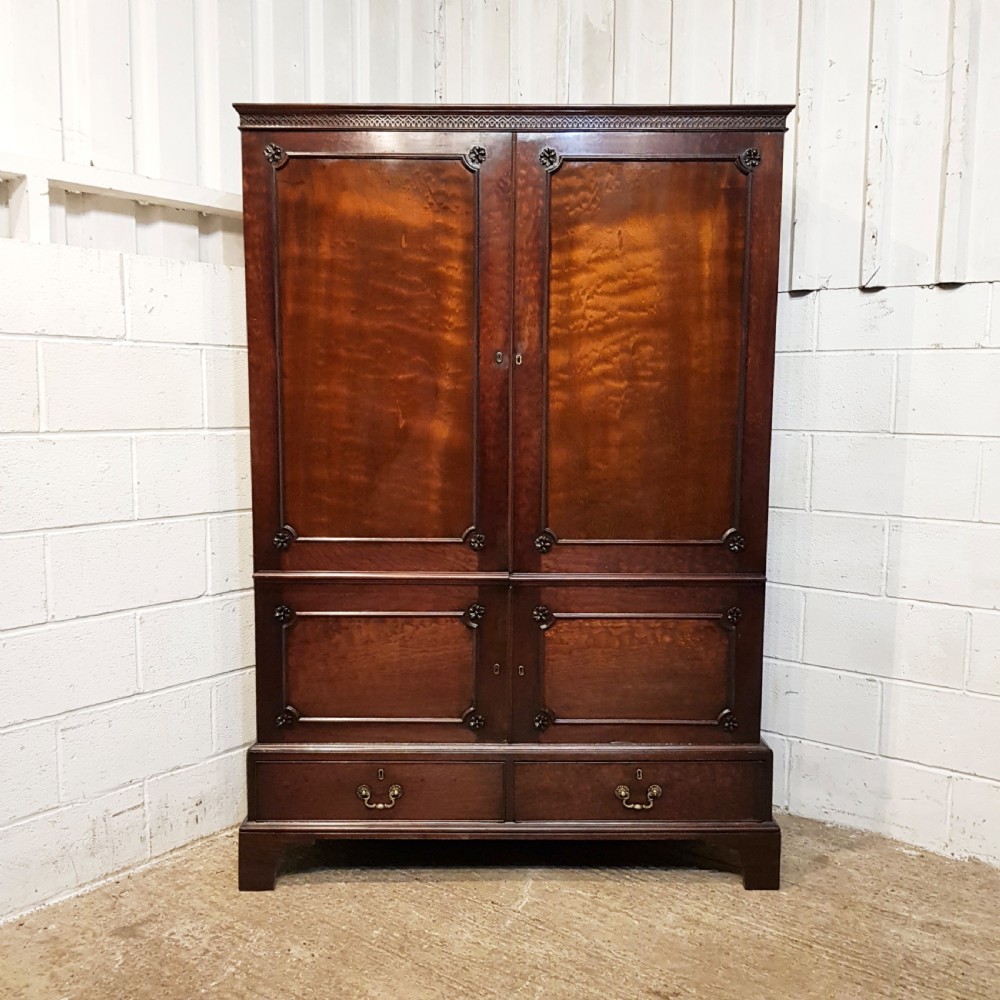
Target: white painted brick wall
x,y
882,689
18,386
107,386
125,682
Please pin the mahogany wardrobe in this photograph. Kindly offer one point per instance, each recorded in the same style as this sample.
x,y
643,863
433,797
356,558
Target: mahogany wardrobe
x,y
510,385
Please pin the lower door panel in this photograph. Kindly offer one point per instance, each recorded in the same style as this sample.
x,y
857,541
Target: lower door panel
x,y
383,662
637,664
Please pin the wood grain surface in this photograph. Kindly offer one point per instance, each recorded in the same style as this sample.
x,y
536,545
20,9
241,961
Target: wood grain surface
x,y
659,670
644,348
356,667
376,262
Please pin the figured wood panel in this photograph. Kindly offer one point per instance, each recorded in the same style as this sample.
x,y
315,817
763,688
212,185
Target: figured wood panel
x,y
380,667
376,265
656,669
645,335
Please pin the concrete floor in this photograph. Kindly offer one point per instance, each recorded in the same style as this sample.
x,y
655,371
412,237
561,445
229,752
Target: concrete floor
x,y
859,916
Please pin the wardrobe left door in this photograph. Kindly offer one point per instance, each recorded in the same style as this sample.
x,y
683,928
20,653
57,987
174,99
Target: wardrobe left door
x,y
378,661
378,272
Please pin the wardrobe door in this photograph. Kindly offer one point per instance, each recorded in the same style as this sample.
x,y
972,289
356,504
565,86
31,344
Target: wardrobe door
x,y
381,662
378,273
601,664
646,280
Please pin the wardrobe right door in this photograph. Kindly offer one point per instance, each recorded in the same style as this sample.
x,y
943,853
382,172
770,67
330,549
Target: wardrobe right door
x,y
645,289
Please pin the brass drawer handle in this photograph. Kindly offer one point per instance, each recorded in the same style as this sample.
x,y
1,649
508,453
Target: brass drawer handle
x,y
652,794
365,794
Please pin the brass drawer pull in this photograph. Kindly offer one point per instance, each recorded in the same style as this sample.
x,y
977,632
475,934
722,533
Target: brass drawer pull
x,y
365,794
622,792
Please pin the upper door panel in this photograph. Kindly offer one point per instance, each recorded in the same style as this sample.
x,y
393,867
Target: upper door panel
x,y
380,290
647,276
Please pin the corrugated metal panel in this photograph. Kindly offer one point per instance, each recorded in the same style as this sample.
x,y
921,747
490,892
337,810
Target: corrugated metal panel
x,y
888,159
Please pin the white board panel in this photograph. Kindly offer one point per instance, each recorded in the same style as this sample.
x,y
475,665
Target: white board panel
x,y
30,118
288,32
96,85
534,51
970,250
587,50
103,223
830,143
168,232
765,71
163,89
701,56
330,51
415,55
486,52
448,52
642,31
383,45
907,117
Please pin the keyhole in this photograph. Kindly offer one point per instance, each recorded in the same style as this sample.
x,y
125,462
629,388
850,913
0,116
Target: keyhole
x,y
496,668
381,775
518,359
638,774
499,357
520,670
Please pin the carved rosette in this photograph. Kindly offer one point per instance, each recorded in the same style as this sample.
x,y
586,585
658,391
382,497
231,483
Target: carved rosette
x,y
284,614
748,160
274,154
550,159
284,537
542,617
286,717
475,157
731,617
473,615
734,541
543,720
545,541
728,721
475,539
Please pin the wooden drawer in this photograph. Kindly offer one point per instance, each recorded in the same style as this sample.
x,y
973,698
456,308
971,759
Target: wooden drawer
x,y
699,791
326,790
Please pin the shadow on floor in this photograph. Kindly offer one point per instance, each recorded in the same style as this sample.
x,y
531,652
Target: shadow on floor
x,y
386,861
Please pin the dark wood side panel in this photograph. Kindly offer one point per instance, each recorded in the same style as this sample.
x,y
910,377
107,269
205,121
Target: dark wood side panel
x,y
314,790
689,792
